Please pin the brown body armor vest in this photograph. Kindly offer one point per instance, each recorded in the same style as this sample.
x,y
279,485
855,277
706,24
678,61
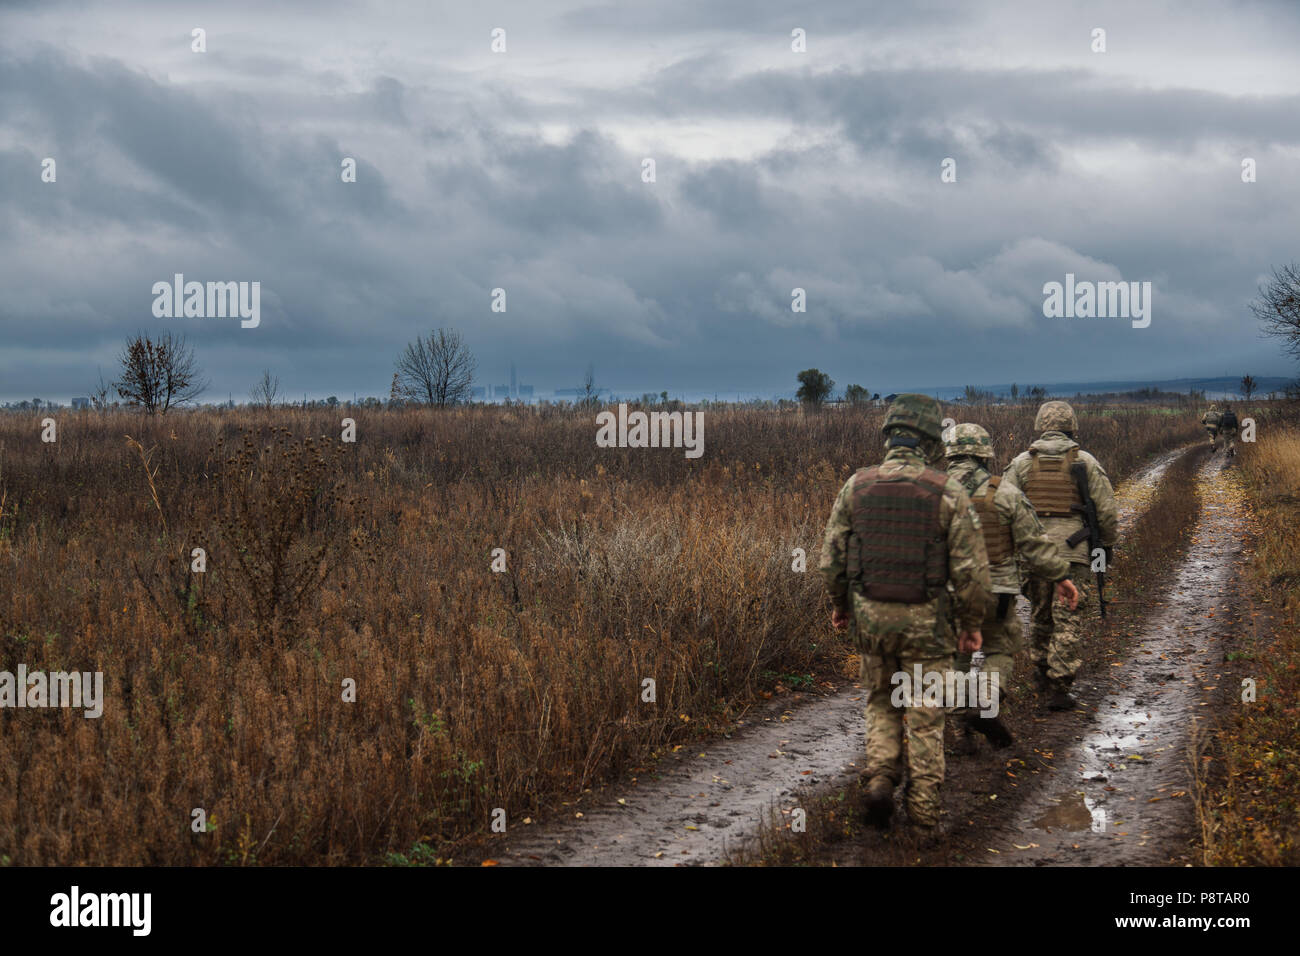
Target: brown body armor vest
x,y
1049,486
898,551
997,536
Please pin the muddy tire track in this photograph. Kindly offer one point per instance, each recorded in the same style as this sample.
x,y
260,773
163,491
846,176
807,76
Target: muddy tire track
x,y
693,812
1122,795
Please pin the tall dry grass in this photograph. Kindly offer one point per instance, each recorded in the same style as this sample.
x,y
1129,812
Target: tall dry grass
x,y
1248,796
371,561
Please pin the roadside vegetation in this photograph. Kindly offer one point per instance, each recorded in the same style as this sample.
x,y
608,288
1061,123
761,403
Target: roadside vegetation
x,y
329,562
1249,799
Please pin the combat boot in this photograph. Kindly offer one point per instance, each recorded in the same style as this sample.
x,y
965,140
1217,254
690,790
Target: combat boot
x,y
878,802
967,744
1041,680
1061,698
991,727
926,836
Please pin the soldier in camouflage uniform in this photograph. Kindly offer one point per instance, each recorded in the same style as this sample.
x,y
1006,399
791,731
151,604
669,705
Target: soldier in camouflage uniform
x,y
1211,420
900,534
1011,531
1228,425
1043,474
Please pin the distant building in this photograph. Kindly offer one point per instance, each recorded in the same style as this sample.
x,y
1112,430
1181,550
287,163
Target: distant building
x,y
479,392
525,391
81,403
501,392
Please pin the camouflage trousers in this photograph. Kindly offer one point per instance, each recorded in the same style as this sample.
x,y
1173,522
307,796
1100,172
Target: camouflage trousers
x,y
1057,634
1001,633
1214,434
887,725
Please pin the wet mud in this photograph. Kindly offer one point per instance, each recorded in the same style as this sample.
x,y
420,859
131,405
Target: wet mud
x,y
697,807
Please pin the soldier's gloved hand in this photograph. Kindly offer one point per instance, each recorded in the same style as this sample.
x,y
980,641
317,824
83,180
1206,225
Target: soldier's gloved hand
x,y
968,642
1067,592
839,619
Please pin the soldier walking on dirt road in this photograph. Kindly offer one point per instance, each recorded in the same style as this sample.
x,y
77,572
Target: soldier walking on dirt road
x,y
1211,420
1012,535
1046,473
899,534
1228,429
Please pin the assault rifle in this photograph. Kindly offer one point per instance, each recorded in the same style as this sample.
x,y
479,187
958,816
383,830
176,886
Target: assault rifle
x,y
1091,527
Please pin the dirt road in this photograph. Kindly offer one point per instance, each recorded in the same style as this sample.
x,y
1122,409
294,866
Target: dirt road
x,y
1103,799
1122,795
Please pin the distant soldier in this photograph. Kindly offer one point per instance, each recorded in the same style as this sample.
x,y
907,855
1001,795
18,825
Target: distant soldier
x,y
1212,419
1011,530
1047,476
1228,429
900,534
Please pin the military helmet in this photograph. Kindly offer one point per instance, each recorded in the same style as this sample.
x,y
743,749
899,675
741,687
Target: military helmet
x,y
919,412
967,439
1056,417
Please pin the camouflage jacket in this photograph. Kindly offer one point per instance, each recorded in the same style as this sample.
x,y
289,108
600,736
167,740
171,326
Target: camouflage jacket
x,y
1040,554
922,627
1212,418
1103,496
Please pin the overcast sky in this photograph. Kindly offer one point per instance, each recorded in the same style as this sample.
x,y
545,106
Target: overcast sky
x,y
523,170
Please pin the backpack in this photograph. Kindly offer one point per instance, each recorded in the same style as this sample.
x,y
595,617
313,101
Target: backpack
x,y
1229,419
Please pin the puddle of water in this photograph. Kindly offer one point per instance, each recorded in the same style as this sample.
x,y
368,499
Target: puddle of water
x,y
1069,813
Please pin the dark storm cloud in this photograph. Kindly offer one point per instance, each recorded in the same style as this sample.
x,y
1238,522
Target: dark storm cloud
x,y
525,173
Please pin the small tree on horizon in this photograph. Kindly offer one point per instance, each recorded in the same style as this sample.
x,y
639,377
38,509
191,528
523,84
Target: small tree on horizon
x,y
857,395
1248,386
815,387
158,375
99,393
590,394
265,391
437,370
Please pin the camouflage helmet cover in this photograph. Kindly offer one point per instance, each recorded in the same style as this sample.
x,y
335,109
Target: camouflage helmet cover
x,y
1056,417
919,412
967,439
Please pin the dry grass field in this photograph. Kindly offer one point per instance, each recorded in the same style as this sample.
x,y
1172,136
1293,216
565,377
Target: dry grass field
x,y
1250,812
372,561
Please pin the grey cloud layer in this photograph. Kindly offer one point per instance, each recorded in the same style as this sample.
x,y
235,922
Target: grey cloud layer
x,y
471,179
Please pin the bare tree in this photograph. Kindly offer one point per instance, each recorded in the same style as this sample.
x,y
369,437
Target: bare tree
x,y
1248,386
99,393
590,394
158,376
437,370
1278,307
265,391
